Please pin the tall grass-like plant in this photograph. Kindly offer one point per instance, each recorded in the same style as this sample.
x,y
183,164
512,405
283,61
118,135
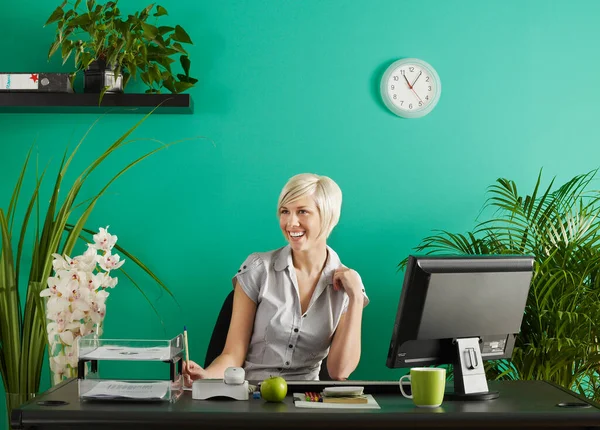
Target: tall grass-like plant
x,y
56,229
559,338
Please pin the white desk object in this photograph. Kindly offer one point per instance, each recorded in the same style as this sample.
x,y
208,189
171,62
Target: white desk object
x,y
204,389
233,386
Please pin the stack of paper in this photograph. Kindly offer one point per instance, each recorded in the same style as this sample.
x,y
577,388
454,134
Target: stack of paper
x,y
109,352
116,390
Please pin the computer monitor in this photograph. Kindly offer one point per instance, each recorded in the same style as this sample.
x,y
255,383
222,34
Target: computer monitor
x,y
460,310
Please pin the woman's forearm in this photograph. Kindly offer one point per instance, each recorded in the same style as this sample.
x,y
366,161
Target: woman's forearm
x,y
344,354
217,368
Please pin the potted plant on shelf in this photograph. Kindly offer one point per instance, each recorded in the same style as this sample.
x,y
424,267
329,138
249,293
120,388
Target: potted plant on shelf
x,y
560,334
111,48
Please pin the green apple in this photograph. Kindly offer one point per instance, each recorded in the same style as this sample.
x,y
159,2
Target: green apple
x,y
273,389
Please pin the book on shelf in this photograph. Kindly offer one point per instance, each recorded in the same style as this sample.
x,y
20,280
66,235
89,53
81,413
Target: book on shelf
x,y
35,82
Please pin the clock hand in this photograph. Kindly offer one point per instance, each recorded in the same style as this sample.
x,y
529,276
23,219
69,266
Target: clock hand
x,y
413,90
418,76
407,83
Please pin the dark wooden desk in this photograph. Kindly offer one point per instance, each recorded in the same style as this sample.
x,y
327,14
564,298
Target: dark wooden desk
x,y
522,404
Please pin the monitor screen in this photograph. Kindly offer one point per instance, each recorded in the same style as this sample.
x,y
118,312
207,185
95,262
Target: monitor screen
x,y
449,298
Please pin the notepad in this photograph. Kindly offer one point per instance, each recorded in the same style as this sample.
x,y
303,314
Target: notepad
x,y
300,402
342,391
347,400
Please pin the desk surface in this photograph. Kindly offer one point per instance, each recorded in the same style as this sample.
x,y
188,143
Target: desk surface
x,y
522,404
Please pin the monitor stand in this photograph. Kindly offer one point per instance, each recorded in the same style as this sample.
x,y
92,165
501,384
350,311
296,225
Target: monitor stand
x,y
470,382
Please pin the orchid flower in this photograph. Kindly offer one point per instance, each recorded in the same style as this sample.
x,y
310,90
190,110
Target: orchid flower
x,y
76,299
103,240
110,261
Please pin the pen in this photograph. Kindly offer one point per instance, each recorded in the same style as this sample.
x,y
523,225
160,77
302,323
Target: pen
x,y
187,348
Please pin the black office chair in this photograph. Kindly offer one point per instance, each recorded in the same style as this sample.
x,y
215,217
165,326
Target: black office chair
x,y
219,335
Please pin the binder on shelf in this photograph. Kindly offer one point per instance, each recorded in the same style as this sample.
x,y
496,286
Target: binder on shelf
x,y
165,385
35,82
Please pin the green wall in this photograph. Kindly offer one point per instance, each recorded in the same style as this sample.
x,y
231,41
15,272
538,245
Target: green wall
x,y
292,86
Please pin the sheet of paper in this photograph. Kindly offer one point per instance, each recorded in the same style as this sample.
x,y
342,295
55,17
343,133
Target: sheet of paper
x,y
128,390
108,352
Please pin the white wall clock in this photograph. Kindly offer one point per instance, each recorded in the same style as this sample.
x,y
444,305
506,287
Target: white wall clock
x,y
410,88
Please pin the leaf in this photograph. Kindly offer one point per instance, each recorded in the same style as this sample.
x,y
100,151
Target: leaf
x,y
126,77
81,21
146,78
178,48
123,28
54,48
184,78
162,30
163,61
185,63
160,11
55,16
170,85
154,75
158,40
90,4
67,48
182,86
180,35
10,317
150,31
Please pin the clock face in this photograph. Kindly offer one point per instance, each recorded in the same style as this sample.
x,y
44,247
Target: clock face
x,y
410,88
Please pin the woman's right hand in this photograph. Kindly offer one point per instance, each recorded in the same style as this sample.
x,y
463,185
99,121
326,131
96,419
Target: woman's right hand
x,y
191,372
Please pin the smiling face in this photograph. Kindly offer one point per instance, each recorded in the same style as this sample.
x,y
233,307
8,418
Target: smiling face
x,y
300,222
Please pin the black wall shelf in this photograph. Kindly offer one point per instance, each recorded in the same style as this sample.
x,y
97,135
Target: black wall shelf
x,y
38,102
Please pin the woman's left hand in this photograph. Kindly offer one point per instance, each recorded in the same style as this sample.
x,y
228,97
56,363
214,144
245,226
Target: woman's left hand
x,y
345,279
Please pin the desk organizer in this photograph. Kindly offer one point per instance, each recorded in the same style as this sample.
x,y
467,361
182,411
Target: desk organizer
x,y
92,386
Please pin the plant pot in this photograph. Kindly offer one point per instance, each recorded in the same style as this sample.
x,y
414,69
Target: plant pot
x,y
98,75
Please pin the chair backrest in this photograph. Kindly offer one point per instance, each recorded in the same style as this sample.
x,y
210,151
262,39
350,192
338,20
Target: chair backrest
x,y
219,336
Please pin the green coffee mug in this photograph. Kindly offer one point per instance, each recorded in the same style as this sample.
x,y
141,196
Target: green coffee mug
x,y
427,384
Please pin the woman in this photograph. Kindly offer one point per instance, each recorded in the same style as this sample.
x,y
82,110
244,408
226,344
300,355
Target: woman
x,y
294,306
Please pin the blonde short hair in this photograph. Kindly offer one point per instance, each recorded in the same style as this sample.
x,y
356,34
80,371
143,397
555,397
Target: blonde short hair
x,y
324,191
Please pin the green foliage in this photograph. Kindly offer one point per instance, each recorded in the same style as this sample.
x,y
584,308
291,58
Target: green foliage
x,y
131,45
559,339
57,228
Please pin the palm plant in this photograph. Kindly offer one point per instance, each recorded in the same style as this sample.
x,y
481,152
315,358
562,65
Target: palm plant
x,y
23,328
559,339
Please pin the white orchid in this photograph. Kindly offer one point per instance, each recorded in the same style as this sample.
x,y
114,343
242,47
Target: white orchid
x,y
103,240
76,304
110,261
87,261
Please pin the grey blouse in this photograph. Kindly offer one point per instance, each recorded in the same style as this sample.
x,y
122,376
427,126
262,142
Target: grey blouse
x,y
284,341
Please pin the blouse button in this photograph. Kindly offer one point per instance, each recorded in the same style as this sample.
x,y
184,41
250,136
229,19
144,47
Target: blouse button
x,y
295,330
244,267
287,363
291,346
239,270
